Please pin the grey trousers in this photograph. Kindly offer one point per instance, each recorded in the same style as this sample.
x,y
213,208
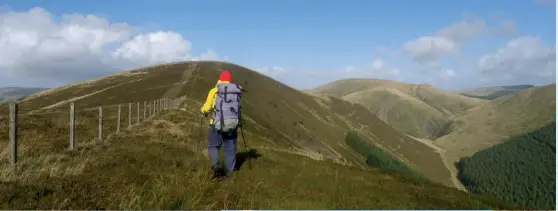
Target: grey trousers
x,y
216,140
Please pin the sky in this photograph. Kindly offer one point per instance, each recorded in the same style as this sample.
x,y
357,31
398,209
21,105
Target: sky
x,y
452,45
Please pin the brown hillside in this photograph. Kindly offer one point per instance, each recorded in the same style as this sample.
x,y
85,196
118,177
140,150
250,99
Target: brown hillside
x,y
416,109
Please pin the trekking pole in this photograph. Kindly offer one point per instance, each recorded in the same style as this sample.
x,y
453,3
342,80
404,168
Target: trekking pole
x,y
246,147
200,129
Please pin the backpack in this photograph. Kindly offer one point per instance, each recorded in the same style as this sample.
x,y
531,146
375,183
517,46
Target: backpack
x,y
227,107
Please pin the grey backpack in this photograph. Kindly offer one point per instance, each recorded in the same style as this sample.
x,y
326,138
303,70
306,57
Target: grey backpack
x,y
227,107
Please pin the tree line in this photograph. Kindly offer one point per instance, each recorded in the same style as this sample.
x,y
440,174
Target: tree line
x,y
376,157
520,171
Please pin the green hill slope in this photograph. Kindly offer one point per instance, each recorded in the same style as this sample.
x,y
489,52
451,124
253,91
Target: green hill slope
x,y
520,171
417,110
491,93
288,118
161,164
492,123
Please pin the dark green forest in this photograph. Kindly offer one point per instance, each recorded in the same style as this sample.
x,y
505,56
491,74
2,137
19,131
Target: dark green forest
x,y
376,157
520,171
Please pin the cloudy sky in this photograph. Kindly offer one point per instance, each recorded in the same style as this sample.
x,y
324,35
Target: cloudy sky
x,y
449,44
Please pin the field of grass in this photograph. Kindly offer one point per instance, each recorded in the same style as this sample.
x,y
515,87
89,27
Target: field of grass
x,y
416,109
520,171
162,164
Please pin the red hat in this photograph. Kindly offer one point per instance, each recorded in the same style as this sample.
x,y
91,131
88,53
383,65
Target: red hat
x,y
225,76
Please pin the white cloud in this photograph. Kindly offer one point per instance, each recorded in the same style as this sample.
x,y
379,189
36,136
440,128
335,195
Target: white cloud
x,y
377,64
152,48
208,55
273,72
427,49
472,27
350,69
526,58
506,28
37,48
449,73
377,69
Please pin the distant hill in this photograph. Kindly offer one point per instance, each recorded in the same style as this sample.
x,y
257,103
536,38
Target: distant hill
x,y
302,162
416,109
13,93
495,122
491,93
521,170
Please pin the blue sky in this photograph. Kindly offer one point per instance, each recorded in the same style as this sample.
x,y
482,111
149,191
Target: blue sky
x,y
308,43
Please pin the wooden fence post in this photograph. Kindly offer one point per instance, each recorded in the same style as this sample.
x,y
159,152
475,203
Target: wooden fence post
x,y
72,124
118,119
144,110
100,123
137,119
13,130
129,115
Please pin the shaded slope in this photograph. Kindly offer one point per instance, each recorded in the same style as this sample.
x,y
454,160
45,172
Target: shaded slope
x,y
388,98
493,123
520,171
491,93
287,118
161,165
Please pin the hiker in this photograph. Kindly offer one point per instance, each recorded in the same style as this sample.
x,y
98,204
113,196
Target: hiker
x,y
224,101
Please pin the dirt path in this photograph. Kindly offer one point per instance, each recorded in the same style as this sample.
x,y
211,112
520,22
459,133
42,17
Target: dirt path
x,y
442,152
175,90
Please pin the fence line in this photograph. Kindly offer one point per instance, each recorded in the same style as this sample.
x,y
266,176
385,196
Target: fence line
x,y
156,106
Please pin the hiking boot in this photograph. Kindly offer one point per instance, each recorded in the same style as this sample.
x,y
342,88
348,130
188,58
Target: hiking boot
x,y
215,172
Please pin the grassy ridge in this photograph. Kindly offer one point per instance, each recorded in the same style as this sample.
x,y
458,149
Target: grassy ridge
x,y
378,158
161,164
520,171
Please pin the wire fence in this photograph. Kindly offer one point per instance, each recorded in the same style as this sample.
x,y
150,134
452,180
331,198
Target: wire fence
x,y
150,109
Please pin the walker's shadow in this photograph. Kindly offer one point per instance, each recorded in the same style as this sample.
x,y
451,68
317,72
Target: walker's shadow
x,y
242,157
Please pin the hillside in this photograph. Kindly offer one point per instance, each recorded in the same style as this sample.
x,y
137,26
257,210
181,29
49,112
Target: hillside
x,y
520,171
492,123
491,93
298,141
13,93
415,109
286,116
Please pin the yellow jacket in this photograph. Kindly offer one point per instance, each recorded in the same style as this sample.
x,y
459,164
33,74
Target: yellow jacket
x,y
210,101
